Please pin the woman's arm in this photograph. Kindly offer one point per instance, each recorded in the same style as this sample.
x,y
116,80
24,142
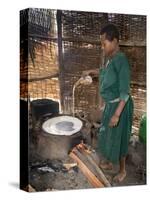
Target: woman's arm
x,y
120,108
123,70
91,72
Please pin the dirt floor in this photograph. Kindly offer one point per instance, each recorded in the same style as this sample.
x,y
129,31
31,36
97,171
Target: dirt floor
x,y
50,175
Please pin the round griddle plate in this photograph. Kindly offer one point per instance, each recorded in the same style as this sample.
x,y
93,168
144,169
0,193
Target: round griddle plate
x,y
62,125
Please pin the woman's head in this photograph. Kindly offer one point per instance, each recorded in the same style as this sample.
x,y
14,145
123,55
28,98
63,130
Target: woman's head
x,y
109,37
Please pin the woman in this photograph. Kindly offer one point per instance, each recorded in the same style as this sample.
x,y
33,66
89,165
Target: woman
x,y
114,78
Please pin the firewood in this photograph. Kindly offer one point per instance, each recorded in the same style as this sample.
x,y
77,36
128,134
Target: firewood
x,y
90,176
98,171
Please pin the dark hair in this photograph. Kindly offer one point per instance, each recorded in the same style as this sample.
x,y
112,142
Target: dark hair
x,y
111,32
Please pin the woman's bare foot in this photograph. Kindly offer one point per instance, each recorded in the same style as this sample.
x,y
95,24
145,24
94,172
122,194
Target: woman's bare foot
x,y
106,166
120,177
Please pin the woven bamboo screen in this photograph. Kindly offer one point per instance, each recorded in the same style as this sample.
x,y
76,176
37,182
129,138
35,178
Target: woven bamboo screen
x,y
39,64
75,35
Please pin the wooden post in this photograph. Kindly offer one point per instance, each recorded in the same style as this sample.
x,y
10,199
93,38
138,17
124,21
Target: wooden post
x,y
60,55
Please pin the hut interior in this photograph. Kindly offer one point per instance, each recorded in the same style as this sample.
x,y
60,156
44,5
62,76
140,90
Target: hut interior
x,y
56,46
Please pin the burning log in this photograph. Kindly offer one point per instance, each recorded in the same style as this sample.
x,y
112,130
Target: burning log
x,y
91,177
88,166
98,171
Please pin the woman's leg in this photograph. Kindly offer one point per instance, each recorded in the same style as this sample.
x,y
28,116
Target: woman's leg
x,y
122,172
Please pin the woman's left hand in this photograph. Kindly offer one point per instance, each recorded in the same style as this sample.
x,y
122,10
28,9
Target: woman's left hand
x,y
114,121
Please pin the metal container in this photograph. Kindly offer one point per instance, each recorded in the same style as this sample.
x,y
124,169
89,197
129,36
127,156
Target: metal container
x,y
40,107
56,145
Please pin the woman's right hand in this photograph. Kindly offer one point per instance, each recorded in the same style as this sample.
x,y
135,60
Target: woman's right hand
x,y
114,121
85,73
92,72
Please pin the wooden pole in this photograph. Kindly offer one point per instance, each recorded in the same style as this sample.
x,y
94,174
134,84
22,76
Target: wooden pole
x,y
60,55
89,40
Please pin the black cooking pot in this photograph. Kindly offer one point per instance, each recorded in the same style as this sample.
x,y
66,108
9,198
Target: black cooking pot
x,y
41,107
52,146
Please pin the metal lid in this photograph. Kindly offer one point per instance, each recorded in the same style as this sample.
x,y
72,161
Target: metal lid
x,y
62,125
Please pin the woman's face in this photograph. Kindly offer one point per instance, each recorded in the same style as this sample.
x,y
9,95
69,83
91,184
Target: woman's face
x,y
107,46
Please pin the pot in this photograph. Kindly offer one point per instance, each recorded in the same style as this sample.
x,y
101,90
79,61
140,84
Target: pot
x,y
58,136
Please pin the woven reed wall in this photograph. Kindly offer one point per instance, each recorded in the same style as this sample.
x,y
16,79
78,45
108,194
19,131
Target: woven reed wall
x,y
39,66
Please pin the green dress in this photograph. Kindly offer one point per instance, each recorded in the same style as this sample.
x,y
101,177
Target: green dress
x,y
115,84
